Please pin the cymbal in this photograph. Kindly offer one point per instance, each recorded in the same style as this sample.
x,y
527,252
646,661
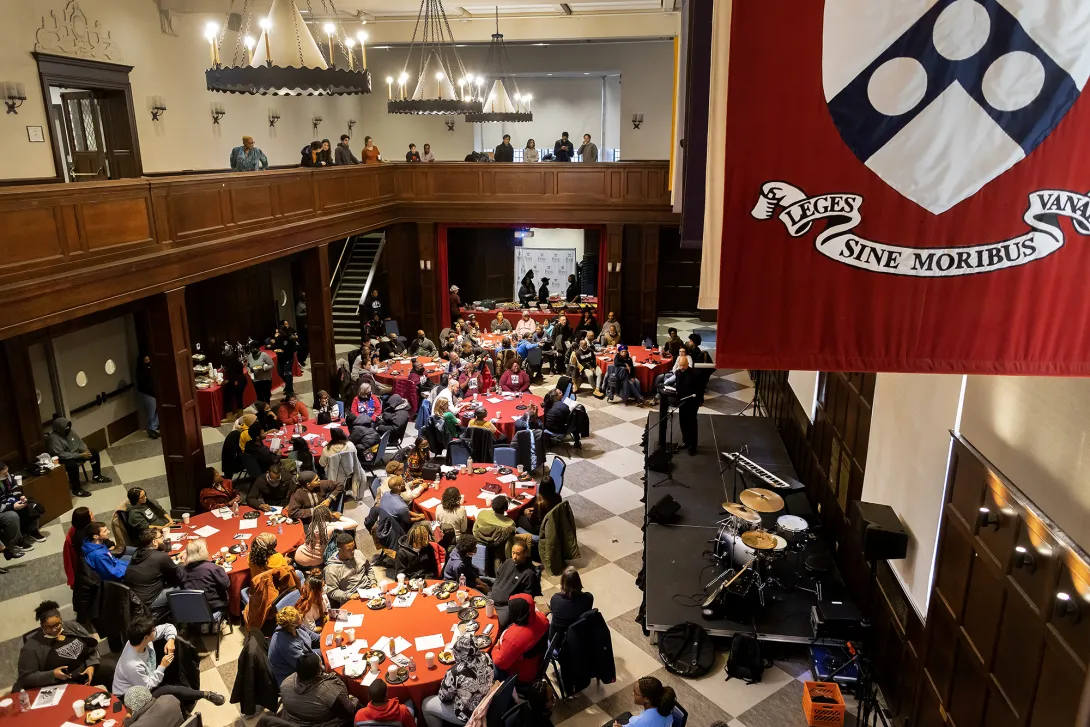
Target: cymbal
x,y
759,540
741,512
761,500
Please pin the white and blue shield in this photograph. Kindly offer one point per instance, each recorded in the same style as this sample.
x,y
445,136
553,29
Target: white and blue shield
x,y
939,97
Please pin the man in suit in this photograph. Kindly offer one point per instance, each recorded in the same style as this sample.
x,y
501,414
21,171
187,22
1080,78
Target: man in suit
x,y
689,385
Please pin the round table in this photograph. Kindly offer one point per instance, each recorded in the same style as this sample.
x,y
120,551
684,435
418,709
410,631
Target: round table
x,y
239,575
58,714
396,368
502,413
420,619
470,486
287,432
640,355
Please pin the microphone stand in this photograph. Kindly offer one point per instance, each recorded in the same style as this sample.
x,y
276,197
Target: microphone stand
x,y
662,438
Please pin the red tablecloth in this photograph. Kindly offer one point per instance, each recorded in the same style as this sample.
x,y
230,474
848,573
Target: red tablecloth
x,y
420,619
506,410
485,317
640,355
310,426
239,575
57,715
470,487
210,402
394,369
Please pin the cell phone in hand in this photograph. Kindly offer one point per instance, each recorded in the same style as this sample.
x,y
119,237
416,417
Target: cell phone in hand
x,y
118,706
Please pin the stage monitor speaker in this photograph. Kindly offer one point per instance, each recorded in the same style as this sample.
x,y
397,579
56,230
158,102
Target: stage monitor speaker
x,y
659,460
880,531
663,510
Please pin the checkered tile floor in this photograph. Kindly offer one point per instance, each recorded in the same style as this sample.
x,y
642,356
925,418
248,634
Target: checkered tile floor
x,y
603,486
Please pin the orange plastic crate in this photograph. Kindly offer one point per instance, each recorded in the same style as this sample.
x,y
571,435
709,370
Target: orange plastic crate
x,y
821,714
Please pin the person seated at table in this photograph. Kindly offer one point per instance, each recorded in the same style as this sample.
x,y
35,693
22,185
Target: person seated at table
x,y
313,602
363,436
264,556
395,417
582,365
144,512
673,343
395,484
454,364
415,555
450,511
480,421
657,701
418,456
505,355
517,574
269,490
315,698
218,491
514,380
475,380
460,563
366,403
290,641
326,409
493,529
148,711
530,420
463,687
292,411
73,540
390,347
338,442
472,326
610,336
611,320
588,323
265,418
514,652
361,352
364,363
27,511
251,441
537,706
311,554
471,352
96,551
525,325
349,570
449,422
312,492
558,415
423,346
571,602
384,709
140,666
388,521
200,574
376,329
66,445
450,345
531,517
58,652
625,370
500,324
152,574
302,456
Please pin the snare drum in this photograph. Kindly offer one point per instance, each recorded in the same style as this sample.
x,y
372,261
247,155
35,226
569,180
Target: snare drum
x,y
792,527
781,546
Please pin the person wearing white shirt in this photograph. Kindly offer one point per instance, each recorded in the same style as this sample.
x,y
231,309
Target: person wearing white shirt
x,y
450,393
139,665
525,325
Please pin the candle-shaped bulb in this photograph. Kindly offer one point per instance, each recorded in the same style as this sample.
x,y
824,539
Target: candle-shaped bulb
x,y
211,30
329,28
265,23
249,42
389,88
350,43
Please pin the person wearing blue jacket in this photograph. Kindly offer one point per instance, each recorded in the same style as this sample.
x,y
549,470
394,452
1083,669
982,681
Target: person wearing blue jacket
x,y
96,551
290,641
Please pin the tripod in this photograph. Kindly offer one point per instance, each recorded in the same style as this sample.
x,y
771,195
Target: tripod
x,y
755,404
664,453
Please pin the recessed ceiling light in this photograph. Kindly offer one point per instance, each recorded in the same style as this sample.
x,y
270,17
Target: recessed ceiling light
x,y
586,73
541,44
548,74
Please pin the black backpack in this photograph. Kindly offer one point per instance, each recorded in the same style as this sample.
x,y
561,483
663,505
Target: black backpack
x,y
744,661
687,650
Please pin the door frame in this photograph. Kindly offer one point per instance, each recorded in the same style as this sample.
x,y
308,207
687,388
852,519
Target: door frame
x,y
84,74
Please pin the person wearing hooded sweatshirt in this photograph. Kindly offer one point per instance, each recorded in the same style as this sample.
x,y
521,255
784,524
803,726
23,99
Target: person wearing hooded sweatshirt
x,y
384,709
150,711
363,435
152,574
514,652
310,155
347,572
312,492
395,416
464,685
65,445
313,698
415,556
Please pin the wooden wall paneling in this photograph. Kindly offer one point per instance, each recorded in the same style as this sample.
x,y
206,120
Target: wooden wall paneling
x,y
1019,650
430,300
32,236
611,257
316,275
22,440
176,394
1059,686
649,281
591,185
984,601
968,690
403,258
518,182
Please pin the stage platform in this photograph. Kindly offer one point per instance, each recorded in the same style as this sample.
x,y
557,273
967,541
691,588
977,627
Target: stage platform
x,y
678,556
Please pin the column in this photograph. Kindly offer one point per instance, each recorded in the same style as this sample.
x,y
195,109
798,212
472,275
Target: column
x,y
648,276
179,420
316,280
612,245
431,298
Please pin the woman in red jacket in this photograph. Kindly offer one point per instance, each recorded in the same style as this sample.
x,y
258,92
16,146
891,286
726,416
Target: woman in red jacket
x,y
514,653
514,379
81,518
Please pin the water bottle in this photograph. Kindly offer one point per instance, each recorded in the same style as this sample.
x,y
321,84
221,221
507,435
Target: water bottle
x,y
462,582
280,528
24,701
469,464
234,508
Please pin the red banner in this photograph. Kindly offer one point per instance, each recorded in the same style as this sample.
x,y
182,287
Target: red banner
x,y
907,188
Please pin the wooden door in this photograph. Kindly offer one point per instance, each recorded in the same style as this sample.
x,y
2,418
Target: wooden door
x,y
83,123
119,135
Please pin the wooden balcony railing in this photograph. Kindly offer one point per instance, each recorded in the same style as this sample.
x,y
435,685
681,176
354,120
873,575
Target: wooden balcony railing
x,y
69,250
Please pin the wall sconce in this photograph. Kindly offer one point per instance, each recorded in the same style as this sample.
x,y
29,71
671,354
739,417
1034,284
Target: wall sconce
x,y
1066,607
428,264
421,264
316,122
1024,559
217,113
273,118
616,267
450,125
637,119
989,519
14,96
158,107
351,123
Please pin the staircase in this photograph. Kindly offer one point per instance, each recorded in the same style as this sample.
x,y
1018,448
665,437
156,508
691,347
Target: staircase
x,y
355,283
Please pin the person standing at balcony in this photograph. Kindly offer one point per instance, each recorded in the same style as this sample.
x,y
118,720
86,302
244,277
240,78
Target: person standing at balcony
x,y
248,158
325,155
563,149
505,152
370,153
412,155
311,155
529,154
427,156
342,154
588,153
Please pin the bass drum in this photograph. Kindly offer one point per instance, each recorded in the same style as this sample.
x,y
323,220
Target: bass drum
x,y
729,546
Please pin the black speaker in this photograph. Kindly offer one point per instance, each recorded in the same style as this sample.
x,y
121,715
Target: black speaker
x,y
663,510
879,531
659,460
